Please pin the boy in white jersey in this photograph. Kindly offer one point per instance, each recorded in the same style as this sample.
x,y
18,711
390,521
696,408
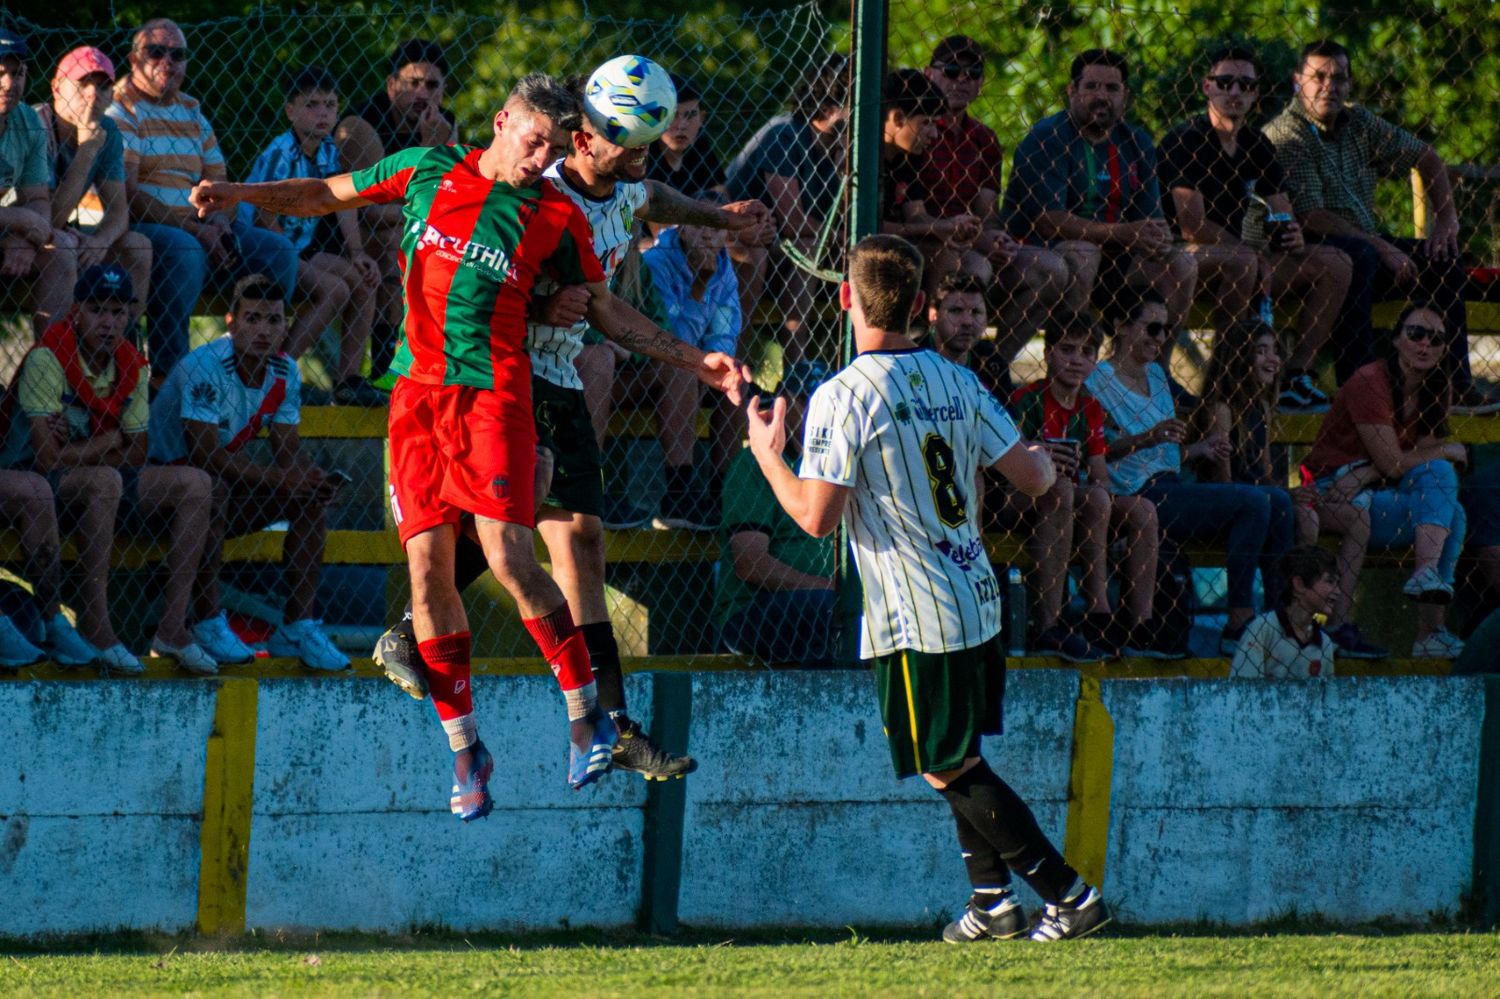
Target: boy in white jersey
x,y
1288,643
891,445
607,182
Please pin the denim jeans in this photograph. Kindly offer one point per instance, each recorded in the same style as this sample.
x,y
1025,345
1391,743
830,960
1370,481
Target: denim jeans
x,y
1428,494
785,626
1202,510
180,269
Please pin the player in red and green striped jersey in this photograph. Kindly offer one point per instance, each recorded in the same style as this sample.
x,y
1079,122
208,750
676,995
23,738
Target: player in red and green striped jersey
x,y
480,228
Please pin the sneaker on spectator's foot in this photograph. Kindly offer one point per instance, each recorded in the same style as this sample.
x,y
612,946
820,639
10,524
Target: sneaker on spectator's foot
x,y
1442,644
1078,916
987,916
591,747
358,392
192,657
120,660
305,640
1066,645
691,511
637,753
622,515
65,646
1428,587
1229,641
1300,394
470,798
15,649
1479,398
397,653
1105,632
220,641
1352,644
1147,640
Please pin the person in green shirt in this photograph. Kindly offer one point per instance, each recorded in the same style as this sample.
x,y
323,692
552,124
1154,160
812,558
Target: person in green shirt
x,y
776,597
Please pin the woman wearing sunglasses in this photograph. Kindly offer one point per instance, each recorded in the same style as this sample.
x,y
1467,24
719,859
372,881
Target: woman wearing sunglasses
x,y
1148,444
1384,446
1240,390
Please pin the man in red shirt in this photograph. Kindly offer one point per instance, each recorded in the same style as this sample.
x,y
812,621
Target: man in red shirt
x,y
481,226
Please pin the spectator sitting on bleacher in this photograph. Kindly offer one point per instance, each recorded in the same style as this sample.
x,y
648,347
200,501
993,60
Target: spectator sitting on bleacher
x,y
961,176
1389,422
1238,391
212,405
684,156
34,255
335,274
776,597
1084,183
1210,168
958,316
1288,643
1078,511
88,169
1333,154
82,391
407,112
1148,444
169,147
791,165
691,270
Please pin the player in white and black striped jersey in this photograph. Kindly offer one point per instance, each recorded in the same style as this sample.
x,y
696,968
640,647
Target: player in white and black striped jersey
x,y
891,446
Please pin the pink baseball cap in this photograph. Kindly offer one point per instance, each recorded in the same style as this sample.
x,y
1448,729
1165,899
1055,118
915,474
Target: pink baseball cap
x,y
84,61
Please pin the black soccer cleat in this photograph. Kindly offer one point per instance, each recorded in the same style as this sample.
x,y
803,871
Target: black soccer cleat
x,y
636,752
397,653
1076,917
987,917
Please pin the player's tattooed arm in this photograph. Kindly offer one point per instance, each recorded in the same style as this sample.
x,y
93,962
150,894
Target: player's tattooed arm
x,y
621,322
299,196
666,204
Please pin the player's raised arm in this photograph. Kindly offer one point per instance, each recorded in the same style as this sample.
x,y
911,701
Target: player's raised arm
x,y
300,196
751,220
815,504
624,324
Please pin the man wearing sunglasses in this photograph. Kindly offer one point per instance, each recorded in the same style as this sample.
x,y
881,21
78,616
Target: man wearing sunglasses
x,y
170,147
1334,152
961,175
1210,167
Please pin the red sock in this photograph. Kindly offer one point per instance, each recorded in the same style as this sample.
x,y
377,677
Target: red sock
x,y
447,659
563,647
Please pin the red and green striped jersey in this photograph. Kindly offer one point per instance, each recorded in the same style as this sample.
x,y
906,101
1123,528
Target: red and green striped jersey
x,y
471,249
1040,416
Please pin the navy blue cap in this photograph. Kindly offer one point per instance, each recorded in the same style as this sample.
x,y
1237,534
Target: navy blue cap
x,y
104,283
13,45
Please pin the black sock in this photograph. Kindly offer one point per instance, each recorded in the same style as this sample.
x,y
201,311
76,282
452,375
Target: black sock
x,y
604,654
999,815
986,870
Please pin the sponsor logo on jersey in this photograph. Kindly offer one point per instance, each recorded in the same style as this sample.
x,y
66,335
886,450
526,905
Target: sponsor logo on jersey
x,y
916,381
491,260
204,394
819,440
963,556
902,413
952,412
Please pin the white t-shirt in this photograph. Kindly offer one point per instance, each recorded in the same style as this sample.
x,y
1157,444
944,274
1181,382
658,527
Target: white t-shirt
x,y
206,387
1269,650
1129,413
906,430
612,219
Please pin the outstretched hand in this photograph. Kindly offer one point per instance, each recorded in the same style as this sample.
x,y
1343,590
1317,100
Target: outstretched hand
x,y
767,428
211,196
751,220
722,372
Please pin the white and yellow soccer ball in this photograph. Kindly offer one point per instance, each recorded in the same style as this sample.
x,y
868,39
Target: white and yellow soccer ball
x,y
630,100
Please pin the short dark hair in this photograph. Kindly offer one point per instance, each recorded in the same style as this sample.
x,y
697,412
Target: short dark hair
x,y
1307,563
256,287
1069,325
1126,304
415,50
686,91
885,273
311,80
959,283
823,87
1098,57
1231,53
910,92
1325,47
550,97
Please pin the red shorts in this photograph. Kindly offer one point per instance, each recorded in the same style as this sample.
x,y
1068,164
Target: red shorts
x,y
456,449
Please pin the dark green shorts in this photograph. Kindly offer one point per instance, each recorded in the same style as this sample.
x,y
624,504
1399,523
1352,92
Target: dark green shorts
x,y
563,427
935,706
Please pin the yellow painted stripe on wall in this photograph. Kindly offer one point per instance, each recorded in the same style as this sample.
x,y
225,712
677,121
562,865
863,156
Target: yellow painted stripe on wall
x,y
228,797
1086,841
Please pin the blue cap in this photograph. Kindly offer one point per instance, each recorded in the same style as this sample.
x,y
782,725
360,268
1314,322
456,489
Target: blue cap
x,y
104,283
12,45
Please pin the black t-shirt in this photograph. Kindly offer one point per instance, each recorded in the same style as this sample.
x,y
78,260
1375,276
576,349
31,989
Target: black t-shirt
x,y
699,170
1192,156
394,136
900,185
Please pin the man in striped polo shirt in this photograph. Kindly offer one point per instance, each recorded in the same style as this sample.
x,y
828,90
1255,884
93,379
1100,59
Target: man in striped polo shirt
x,y
481,227
169,147
891,445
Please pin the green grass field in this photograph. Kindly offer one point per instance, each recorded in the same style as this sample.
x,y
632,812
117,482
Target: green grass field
x,y
1287,964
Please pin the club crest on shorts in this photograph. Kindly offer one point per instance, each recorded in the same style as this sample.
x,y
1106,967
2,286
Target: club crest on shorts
x,y
500,487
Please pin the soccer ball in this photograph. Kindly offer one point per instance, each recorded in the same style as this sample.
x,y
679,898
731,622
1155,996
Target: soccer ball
x,y
630,100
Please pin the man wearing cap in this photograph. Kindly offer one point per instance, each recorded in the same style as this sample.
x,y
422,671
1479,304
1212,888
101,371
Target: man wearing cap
x,y
170,147
87,154
961,176
776,596
32,252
